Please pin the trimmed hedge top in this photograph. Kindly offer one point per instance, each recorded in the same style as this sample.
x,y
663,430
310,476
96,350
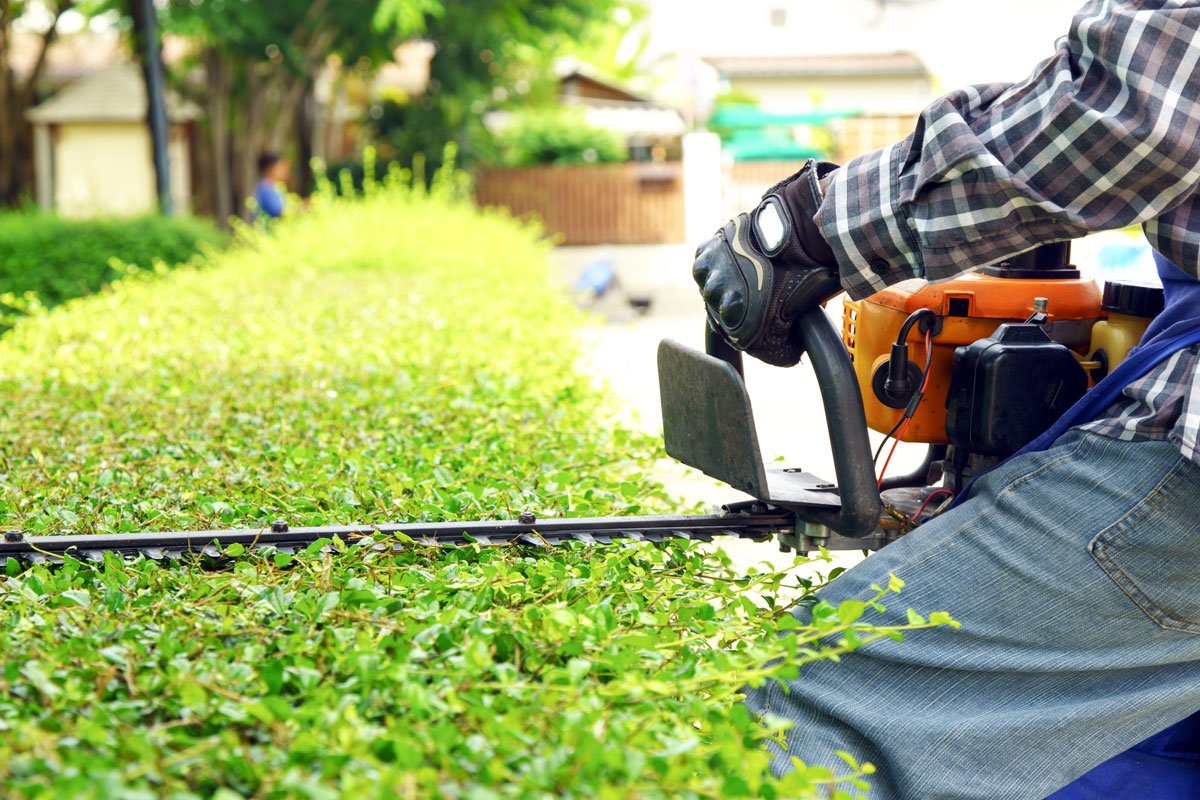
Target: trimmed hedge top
x,y
399,357
403,356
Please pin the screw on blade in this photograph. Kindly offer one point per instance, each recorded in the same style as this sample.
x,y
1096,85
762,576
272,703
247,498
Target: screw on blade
x,y
14,536
527,518
279,526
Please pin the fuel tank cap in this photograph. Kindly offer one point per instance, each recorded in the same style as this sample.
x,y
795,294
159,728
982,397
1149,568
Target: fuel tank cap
x,y
1132,298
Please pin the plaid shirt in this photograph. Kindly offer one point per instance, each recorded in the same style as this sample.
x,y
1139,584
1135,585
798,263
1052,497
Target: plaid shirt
x,y
1104,134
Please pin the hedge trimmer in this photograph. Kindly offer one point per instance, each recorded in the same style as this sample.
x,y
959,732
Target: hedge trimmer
x,y
1000,354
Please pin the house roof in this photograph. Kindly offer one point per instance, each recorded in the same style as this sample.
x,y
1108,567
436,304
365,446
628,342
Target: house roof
x,y
114,94
611,106
898,64
581,85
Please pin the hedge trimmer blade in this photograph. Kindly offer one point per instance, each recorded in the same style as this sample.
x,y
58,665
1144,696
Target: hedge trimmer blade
x,y
753,524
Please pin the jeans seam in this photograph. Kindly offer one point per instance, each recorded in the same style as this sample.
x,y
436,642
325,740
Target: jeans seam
x,y
1081,445
1099,546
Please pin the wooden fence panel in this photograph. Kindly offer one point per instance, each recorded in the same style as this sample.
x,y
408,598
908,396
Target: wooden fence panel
x,y
603,204
745,182
857,136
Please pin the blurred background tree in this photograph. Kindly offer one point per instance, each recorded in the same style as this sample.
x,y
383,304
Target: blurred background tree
x,y
254,67
19,92
258,63
489,54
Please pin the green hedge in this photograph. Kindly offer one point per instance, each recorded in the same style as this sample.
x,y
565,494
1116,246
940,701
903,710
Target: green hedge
x,y
402,356
558,136
59,259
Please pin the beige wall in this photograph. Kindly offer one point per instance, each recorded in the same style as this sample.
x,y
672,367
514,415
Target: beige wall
x,y
103,170
179,158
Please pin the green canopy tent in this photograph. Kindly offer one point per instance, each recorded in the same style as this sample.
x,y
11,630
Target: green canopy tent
x,y
751,134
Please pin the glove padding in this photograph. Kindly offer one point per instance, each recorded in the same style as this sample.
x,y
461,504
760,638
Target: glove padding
x,y
763,269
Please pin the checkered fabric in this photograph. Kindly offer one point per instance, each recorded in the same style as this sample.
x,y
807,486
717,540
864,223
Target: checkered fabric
x,y
1103,134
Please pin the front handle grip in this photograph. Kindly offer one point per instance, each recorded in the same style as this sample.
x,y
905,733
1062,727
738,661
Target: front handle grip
x,y
845,419
717,346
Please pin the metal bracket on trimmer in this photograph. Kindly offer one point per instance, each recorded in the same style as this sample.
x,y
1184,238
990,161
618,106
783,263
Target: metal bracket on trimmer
x,y
708,424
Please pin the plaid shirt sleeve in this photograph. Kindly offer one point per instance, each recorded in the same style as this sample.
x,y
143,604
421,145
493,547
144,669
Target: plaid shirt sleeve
x,y
1104,134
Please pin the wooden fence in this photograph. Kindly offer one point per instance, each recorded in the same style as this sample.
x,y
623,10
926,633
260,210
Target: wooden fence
x,y
636,203
745,181
858,135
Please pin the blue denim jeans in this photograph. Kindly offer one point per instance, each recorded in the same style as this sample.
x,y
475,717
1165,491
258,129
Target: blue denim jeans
x,y
1075,573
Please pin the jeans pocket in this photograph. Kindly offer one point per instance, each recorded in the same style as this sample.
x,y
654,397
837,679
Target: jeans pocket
x,y
1153,552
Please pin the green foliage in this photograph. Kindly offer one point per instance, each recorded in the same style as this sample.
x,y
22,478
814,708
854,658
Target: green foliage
x,y
403,356
558,136
58,259
489,54
398,356
607,672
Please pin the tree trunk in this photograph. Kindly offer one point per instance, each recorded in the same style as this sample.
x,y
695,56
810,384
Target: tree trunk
x,y
306,120
145,33
217,77
16,135
7,150
252,125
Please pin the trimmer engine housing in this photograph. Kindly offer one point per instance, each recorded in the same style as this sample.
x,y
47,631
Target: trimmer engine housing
x,y
970,308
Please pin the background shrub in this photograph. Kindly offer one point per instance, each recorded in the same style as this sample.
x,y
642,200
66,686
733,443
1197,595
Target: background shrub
x,y
399,356
58,259
558,136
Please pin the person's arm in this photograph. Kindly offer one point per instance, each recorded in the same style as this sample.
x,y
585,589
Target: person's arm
x,y
1104,134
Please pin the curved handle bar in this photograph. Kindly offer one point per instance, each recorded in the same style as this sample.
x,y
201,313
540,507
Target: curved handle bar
x,y
845,419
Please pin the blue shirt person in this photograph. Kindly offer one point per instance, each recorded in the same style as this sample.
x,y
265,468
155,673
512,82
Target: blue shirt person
x,y
269,202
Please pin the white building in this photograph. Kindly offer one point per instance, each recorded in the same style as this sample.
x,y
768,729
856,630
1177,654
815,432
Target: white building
x,y
92,150
959,42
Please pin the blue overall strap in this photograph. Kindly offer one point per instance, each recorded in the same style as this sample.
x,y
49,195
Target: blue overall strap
x,y
1167,765
1164,767
1177,327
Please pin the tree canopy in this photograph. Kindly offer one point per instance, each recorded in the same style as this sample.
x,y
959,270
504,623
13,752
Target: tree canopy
x,y
252,66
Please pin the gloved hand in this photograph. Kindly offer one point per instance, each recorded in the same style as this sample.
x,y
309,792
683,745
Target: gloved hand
x,y
763,269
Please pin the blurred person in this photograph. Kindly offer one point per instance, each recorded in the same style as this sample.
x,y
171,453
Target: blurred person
x,y
273,173
1074,567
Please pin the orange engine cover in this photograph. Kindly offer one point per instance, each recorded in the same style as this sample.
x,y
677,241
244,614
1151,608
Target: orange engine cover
x,y
971,308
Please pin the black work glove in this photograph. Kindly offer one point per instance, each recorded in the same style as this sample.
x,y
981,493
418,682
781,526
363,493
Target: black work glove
x,y
765,268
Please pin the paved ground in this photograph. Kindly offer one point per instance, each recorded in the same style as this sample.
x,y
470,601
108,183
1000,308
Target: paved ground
x,y
621,351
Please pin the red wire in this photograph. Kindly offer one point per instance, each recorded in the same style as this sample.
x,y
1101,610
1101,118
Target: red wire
x,y
904,428
899,435
917,516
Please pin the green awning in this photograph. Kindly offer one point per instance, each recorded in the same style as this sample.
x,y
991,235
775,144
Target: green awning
x,y
768,145
745,116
